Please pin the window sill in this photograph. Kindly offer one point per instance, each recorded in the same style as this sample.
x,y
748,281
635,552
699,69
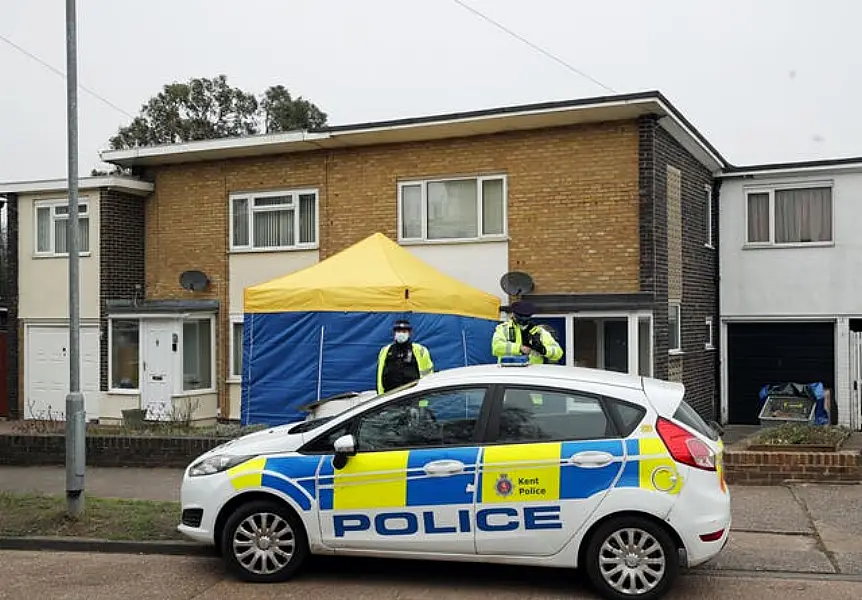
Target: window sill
x,y
308,248
708,347
124,392
43,256
454,241
185,393
784,246
675,352
233,380
709,246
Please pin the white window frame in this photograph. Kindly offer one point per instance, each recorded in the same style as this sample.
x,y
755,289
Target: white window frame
x,y
179,386
709,241
633,323
678,349
252,196
234,320
710,335
52,204
423,185
770,190
124,391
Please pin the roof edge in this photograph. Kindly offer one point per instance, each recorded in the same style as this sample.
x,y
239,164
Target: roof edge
x,y
329,136
803,166
127,184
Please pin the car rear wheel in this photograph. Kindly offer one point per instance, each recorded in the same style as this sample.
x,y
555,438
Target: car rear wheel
x,y
631,557
263,542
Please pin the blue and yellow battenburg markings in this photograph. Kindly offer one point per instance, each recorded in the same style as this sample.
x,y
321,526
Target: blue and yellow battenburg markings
x,y
516,473
294,476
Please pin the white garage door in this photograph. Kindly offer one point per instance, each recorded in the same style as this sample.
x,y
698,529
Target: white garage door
x,y
47,372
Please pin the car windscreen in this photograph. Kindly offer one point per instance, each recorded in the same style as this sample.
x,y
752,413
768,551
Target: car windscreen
x,y
309,425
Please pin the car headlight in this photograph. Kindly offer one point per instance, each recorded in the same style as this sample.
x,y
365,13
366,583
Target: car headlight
x,y
216,464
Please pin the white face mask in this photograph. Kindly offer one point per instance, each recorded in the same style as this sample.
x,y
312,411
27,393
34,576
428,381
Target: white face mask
x,y
402,336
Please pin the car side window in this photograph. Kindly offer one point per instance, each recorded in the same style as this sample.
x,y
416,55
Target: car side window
x,y
537,415
628,415
433,419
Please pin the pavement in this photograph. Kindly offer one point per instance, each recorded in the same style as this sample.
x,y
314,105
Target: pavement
x,y
802,528
81,576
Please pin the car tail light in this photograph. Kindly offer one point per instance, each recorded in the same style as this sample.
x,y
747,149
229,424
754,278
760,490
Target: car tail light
x,y
712,537
684,446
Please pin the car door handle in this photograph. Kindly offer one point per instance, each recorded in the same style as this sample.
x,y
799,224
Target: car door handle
x,y
444,467
592,459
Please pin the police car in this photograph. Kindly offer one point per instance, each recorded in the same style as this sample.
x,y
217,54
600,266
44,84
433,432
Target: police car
x,y
542,465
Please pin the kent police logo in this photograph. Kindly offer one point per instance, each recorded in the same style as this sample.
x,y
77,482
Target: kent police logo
x,y
504,485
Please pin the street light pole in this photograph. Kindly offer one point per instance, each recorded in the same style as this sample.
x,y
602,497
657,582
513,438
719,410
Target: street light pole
x,y
75,433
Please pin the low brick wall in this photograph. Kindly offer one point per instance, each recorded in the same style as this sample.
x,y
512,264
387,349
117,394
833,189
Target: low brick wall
x,y
105,451
774,468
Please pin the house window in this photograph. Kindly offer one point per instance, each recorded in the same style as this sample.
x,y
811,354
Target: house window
x,y
789,216
467,208
709,345
125,353
197,355
52,220
674,327
274,220
707,224
236,350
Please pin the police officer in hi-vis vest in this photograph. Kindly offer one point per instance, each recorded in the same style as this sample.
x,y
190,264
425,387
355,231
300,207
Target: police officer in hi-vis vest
x,y
402,361
519,335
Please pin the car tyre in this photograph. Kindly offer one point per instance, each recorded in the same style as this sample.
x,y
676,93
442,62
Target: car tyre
x,y
264,542
631,557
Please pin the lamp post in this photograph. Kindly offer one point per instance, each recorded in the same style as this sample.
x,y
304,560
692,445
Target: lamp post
x,y
75,432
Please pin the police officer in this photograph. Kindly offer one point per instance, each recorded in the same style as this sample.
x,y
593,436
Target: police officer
x,y
519,335
402,361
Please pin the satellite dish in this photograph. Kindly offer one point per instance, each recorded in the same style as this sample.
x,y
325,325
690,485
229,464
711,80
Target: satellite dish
x,y
194,281
516,283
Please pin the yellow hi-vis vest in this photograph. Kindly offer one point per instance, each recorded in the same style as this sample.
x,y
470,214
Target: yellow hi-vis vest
x,y
502,343
423,361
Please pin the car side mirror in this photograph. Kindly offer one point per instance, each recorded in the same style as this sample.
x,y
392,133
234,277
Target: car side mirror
x,y
344,446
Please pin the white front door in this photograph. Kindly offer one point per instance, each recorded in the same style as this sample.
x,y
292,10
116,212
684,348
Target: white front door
x,y
855,380
158,367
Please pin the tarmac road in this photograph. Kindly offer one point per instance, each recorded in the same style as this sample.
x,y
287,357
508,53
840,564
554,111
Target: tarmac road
x,y
82,576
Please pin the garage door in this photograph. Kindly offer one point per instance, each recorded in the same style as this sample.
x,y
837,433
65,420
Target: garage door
x,y
47,372
766,353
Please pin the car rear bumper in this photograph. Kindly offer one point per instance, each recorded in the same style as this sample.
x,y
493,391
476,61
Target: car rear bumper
x,y
702,517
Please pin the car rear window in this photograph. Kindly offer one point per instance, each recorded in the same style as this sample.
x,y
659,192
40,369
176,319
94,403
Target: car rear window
x,y
686,415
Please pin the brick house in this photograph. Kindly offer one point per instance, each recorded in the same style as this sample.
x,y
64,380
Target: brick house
x,y
36,327
608,203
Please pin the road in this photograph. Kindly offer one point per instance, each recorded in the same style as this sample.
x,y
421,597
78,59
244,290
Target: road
x,y
80,576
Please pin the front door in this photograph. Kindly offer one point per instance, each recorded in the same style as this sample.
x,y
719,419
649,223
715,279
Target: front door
x,y
411,485
545,471
158,367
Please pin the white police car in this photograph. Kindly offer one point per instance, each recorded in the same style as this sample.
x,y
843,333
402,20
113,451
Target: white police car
x,y
541,465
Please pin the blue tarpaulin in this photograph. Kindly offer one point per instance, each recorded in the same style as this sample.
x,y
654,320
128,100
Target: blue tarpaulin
x,y
291,359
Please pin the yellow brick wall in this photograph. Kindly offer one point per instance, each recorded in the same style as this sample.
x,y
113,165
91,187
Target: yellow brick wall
x,y
572,199
572,206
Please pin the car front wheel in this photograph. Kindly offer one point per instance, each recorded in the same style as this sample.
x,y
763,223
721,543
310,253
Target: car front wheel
x,y
264,542
631,557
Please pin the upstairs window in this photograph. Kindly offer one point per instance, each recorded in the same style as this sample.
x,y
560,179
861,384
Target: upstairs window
x,y
789,216
466,208
285,220
52,221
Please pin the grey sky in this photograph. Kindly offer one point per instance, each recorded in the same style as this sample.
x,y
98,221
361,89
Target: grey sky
x,y
764,80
